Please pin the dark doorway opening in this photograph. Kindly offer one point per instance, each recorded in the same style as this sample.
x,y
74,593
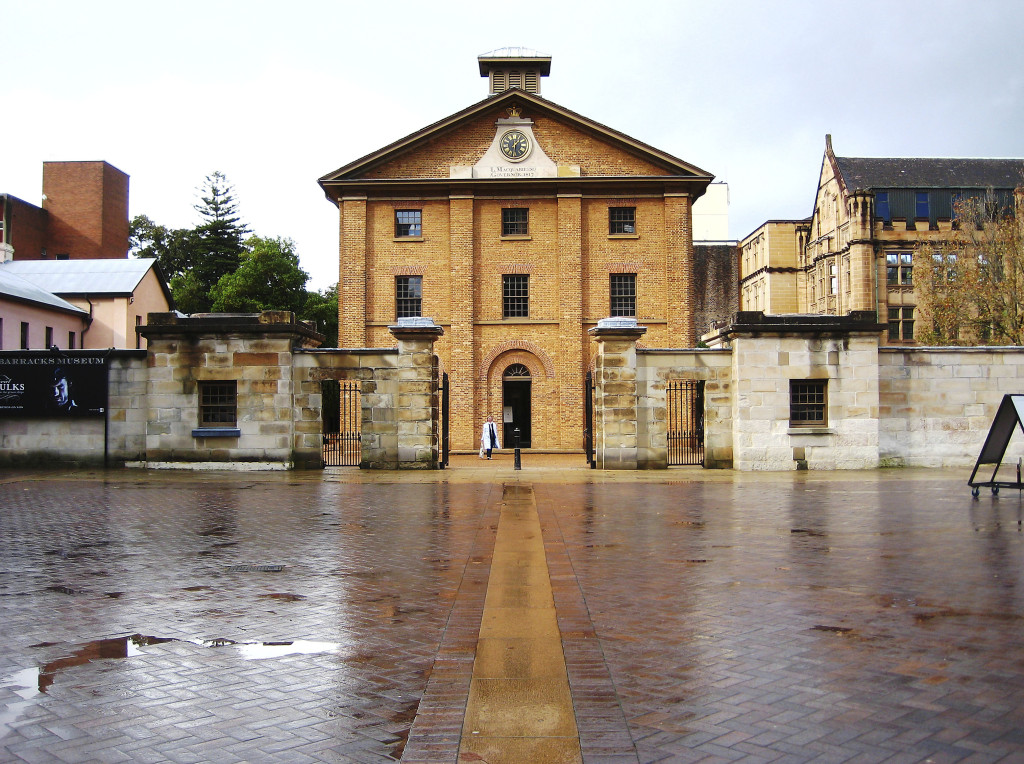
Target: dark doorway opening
x,y
515,391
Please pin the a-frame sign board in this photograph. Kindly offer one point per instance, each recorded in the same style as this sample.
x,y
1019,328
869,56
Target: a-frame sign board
x,y
1009,416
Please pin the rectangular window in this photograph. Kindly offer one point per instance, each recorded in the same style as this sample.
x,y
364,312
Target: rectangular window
x,y
899,268
515,290
138,337
622,290
901,323
921,205
944,267
218,404
48,335
408,296
807,402
62,256
621,220
24,335
71,340
408,223
515,222
882,206
833,279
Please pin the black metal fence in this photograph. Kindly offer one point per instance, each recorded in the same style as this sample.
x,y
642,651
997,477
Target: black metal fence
x,y
342,417
443,462
685,414
588,419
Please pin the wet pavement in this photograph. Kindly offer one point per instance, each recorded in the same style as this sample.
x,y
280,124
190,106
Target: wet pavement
x,y
702,615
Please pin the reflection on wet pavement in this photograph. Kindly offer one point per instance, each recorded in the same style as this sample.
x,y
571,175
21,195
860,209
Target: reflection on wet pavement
x,y
702,616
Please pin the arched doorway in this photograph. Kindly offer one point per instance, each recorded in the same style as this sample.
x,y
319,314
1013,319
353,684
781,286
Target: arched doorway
x,y
515,395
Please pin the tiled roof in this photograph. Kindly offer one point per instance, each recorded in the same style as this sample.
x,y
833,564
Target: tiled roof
x,y
869,173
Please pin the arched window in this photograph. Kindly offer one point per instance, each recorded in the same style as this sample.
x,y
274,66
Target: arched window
x,y
516,371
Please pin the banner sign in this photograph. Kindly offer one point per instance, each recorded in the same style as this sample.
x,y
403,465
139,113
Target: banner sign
x,y
47,384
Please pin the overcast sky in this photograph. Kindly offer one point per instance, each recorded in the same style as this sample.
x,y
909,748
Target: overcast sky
x,y
275,95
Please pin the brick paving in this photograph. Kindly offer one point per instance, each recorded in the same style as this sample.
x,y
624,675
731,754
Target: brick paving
x,y
705,616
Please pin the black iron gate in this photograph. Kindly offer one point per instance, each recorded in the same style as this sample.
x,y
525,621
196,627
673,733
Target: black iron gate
x,y
588,420
342,417
685,414
443,461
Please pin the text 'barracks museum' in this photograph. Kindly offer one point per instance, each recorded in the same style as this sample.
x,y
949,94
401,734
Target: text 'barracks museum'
x,y
516,225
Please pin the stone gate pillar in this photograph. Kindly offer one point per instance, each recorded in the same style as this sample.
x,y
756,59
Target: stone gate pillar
x,y
615,393
417,412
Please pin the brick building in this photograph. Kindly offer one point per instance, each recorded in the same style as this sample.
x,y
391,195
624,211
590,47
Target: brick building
x,y
856,250
517,224
72,253
84,215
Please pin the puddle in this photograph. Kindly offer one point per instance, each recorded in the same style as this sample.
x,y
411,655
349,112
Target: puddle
x,y
262,650
32,684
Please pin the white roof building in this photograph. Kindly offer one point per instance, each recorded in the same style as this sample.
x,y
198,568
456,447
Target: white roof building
x,y
114,295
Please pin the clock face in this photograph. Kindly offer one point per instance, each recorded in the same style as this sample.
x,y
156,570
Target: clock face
x,y
515,145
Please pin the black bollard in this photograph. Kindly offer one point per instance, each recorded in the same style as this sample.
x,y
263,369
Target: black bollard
x,y
515,442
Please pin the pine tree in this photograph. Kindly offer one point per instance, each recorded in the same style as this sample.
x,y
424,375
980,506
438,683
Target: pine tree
x,y
221,233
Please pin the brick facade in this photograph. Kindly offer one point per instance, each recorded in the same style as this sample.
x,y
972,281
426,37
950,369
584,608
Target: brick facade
x,y
567,255
84,215
87,206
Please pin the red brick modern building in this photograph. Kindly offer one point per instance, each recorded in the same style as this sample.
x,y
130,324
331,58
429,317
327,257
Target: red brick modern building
x,y
84,215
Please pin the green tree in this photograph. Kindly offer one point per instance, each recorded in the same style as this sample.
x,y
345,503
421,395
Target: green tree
x,y
970,288
322,307
221,234
195,259
268,277
176,249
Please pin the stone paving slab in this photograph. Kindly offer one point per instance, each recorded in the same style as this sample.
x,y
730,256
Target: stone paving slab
x,y
704,615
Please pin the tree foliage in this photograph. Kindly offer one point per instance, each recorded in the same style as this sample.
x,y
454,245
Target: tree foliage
x,y
221,234
268,277
213,266
174,248
971,287
322,307
195,259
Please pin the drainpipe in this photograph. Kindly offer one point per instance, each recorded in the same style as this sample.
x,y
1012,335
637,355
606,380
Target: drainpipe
x,y
89,324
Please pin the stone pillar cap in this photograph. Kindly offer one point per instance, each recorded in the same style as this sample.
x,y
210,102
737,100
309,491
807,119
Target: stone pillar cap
x,y
416,327
621,326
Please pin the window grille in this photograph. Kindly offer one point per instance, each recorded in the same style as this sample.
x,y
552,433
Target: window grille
x,y
408,296
621,220
408,223
807,402
622,291
515,295
901,323
899,268
218,404
515,222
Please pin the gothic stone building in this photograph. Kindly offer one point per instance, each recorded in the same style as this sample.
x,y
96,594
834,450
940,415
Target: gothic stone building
x,y
516,225
856,250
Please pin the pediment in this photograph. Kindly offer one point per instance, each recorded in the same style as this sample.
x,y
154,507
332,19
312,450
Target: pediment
x,y
466,145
